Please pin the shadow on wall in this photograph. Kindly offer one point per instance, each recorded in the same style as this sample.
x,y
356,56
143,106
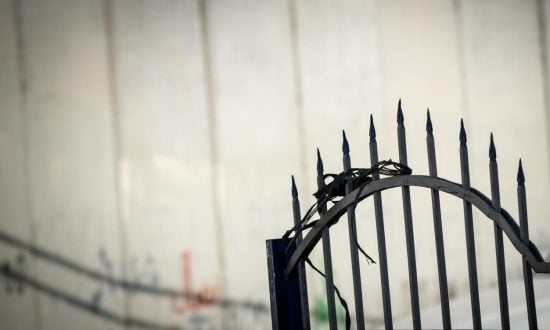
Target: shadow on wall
x,y
17,279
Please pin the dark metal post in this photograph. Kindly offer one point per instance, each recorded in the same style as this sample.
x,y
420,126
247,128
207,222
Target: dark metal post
x,y
286,306
524,233
438,230
469,228
301,266
380,233
355,268
409,233
499,245
329,280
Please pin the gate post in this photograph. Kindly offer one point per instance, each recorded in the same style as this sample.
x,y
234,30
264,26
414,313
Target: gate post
x,y
284,294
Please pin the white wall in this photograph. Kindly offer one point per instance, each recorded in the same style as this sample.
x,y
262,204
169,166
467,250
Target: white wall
x,y
133,133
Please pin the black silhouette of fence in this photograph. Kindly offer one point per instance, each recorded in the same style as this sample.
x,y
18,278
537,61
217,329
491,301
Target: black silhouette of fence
x,y
287,257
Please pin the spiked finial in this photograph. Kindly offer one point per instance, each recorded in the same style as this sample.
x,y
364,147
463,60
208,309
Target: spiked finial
x,y
492,150
320,168
400,117
294,189
521,177
429,127
462,133
372,130
345,145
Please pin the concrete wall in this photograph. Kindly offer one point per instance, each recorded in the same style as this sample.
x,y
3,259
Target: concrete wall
x,y
154,141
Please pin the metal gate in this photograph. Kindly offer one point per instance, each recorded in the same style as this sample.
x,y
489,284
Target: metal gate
x,y
287,256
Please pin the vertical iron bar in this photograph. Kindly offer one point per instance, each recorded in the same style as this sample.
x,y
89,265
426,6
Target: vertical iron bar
x,y
406,193
524,233
438,230
380,233
499,245
301,267
469,228
284,293
329,281
356,271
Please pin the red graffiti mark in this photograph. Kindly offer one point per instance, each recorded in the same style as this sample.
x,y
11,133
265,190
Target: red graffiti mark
x,y
206,294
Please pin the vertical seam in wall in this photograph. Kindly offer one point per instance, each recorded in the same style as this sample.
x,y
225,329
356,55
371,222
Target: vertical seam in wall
x,y
463,81
381,64
468,113
23,98
543,44
215,187
463,73
108,21
298,91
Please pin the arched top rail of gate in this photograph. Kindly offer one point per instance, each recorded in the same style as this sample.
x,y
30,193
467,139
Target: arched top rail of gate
x,y
503,219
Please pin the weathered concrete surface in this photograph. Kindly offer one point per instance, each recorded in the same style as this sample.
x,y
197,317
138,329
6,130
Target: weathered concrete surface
x,y
18,308
257,131
69,150
159,137
164,148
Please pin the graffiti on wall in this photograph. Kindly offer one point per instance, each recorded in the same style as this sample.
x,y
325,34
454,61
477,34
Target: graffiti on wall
x,y
237,314
207,292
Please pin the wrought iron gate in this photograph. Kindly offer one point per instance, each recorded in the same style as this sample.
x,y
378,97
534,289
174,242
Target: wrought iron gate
x,y
287,257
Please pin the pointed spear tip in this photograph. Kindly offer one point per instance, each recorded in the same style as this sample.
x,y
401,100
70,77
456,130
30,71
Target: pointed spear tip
x,y
429,127
345,144
492,149
521,176
462,133
400,117
372,130
294,189
319,163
